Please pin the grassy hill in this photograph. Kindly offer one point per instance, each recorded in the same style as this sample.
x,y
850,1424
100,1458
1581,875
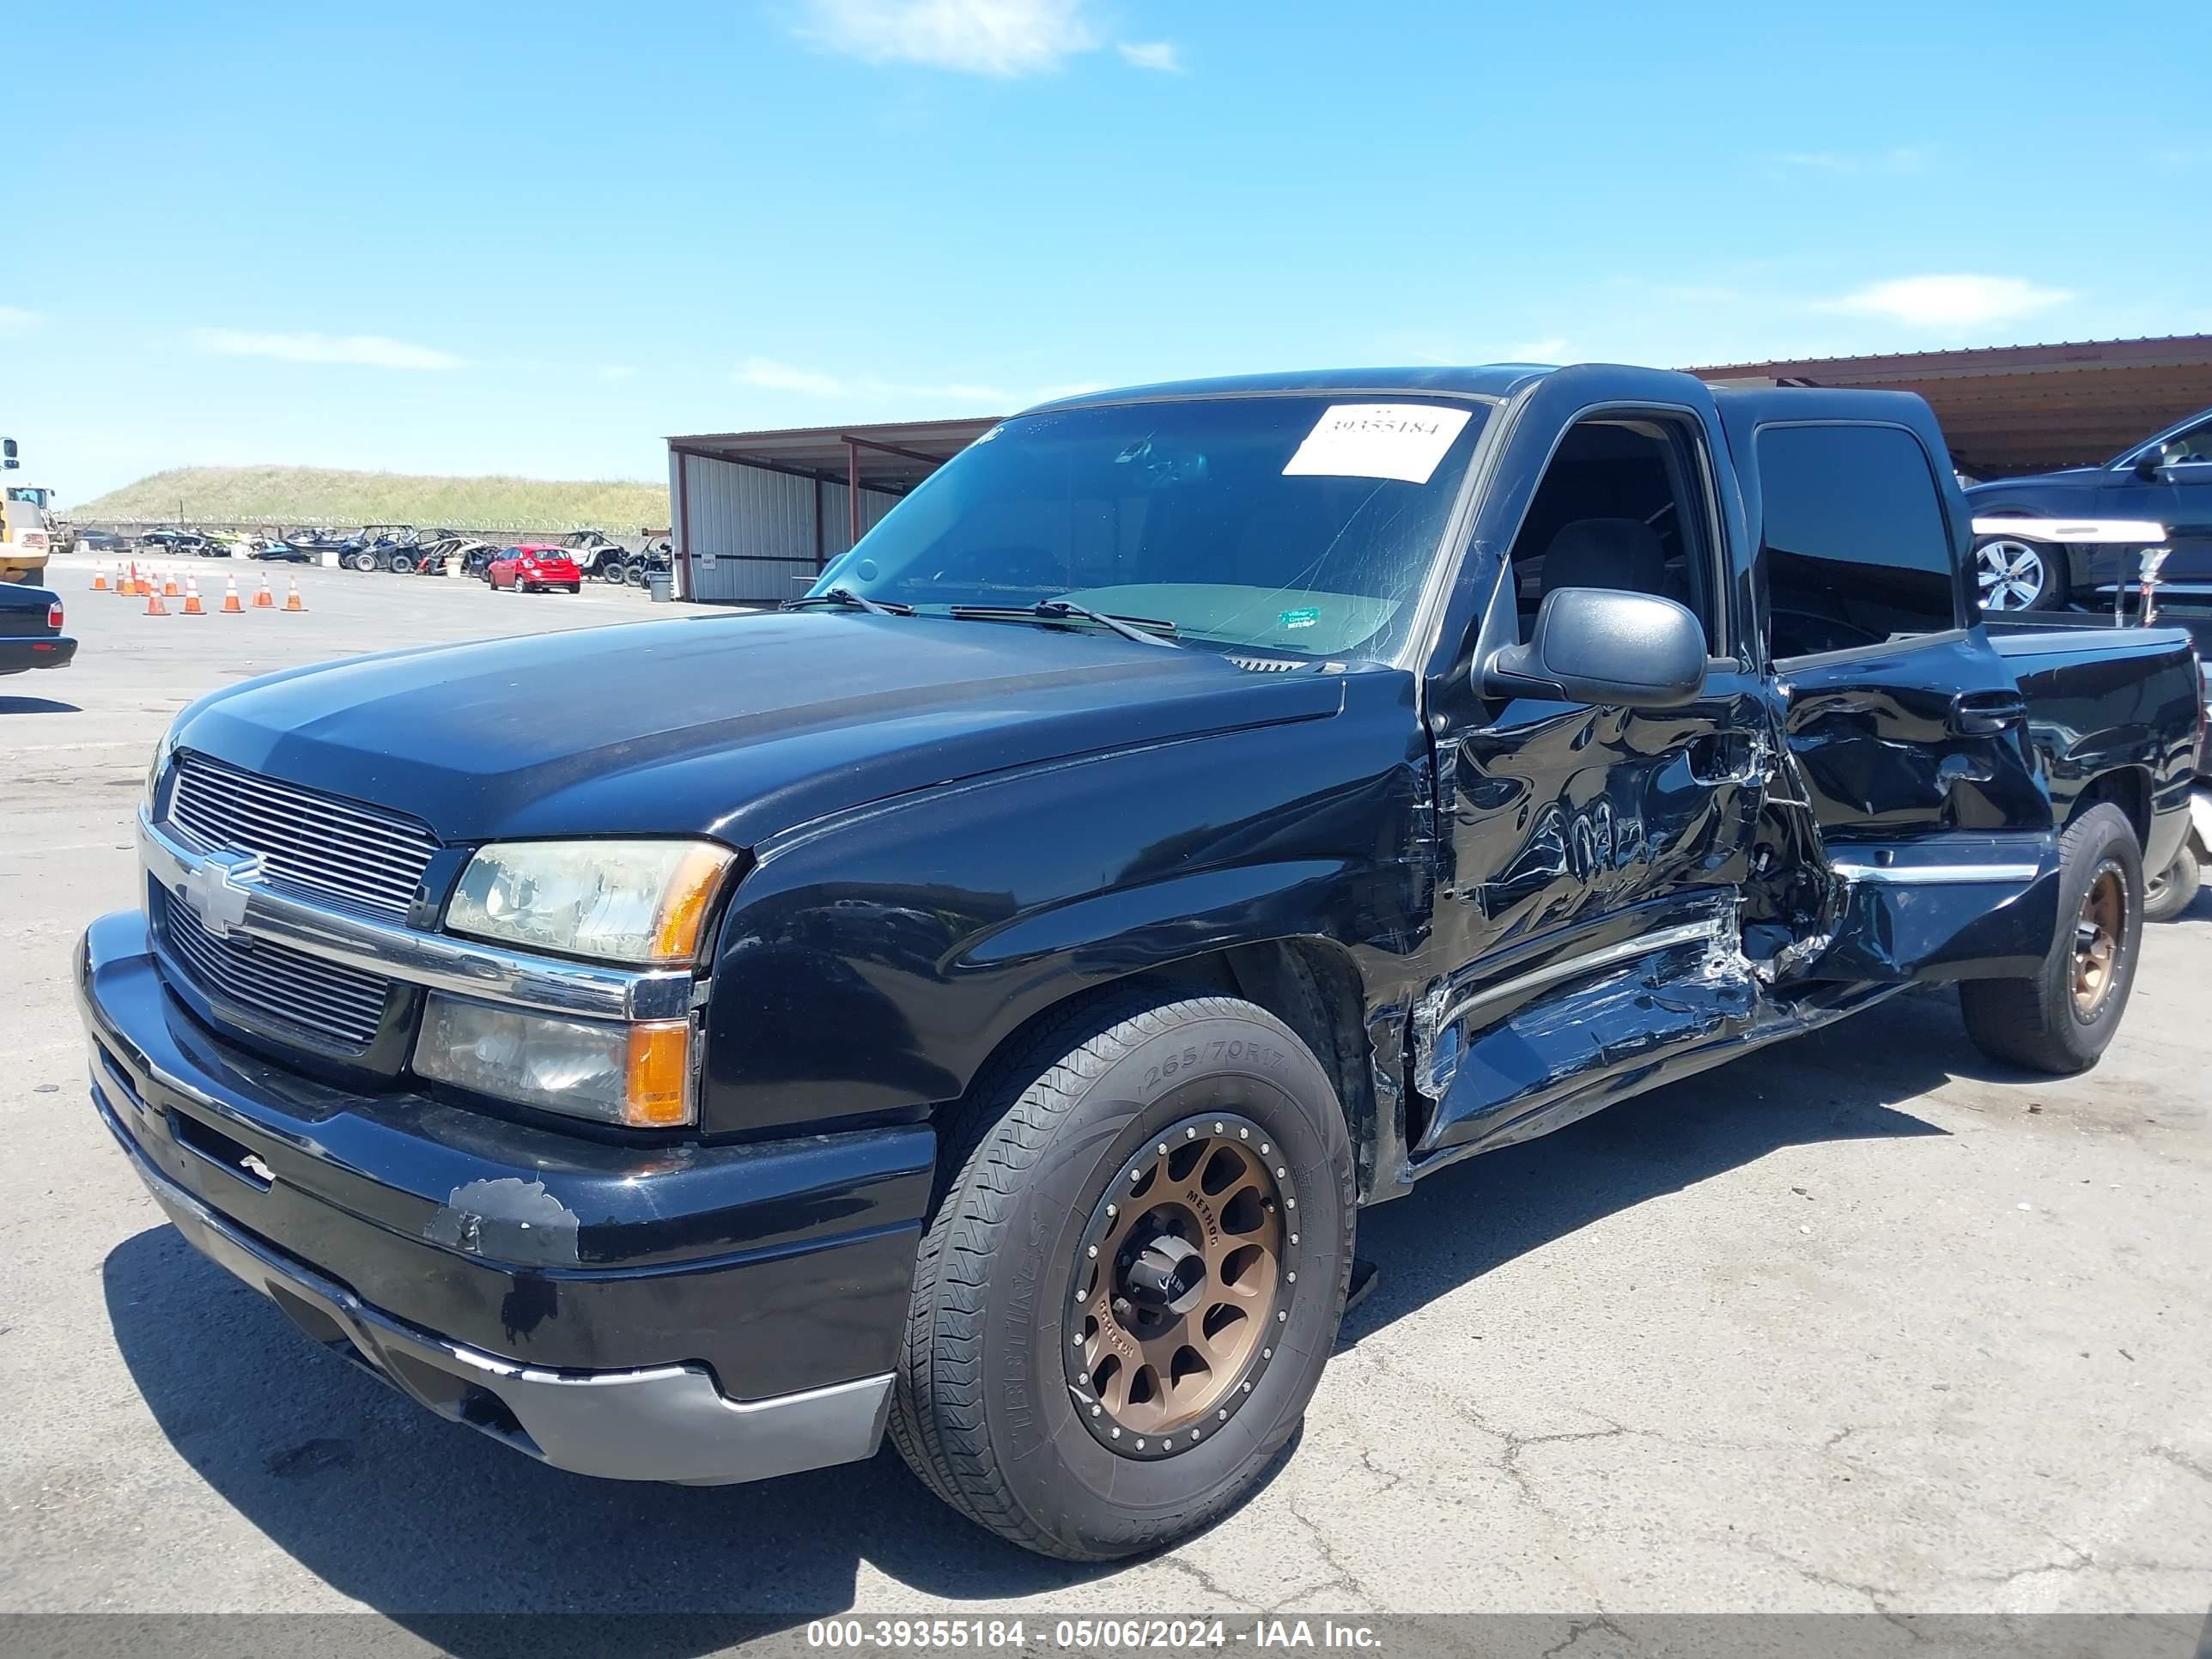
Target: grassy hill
x,y
290,496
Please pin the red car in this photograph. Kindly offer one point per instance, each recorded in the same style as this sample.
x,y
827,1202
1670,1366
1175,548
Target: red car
x,y
534,567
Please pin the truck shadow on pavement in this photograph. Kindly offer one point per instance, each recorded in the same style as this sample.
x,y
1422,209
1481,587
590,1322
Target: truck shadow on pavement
x,y
451,1535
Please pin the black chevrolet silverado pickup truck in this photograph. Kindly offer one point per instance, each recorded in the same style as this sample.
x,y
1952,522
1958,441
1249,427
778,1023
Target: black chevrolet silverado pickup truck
x,y
977,1000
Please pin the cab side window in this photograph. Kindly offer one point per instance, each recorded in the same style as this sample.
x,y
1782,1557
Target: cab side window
x,y
2189,448
1855,547
1623,504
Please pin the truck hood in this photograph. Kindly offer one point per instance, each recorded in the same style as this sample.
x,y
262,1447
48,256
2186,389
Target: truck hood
x,y
735,727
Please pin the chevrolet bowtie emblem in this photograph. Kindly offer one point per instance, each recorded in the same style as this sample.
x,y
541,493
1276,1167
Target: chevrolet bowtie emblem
x,y
217,891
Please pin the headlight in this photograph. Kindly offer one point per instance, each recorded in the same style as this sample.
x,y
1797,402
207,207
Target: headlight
x,y
162,750
614,901
638,1076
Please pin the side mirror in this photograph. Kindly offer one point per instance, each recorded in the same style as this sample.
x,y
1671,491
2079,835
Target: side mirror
x,y
1602,646
2150,466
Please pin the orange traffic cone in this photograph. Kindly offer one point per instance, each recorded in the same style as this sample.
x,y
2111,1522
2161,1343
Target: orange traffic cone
x,y
292,598
169,581
231,607
153,606
100,577
265,600
124,580
192,597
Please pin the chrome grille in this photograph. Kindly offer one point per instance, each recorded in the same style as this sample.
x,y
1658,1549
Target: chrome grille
x,y
313,845
339,1004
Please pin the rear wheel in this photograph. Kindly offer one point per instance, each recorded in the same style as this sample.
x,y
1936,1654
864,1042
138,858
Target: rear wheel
x,y
1124,1302
403,564
2061,1018
2174,889
2013,574
363,561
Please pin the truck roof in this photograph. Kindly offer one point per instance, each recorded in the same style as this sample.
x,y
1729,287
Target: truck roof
x,y
1495,382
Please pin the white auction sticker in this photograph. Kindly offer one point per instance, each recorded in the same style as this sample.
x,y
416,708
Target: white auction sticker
x,y
1378,441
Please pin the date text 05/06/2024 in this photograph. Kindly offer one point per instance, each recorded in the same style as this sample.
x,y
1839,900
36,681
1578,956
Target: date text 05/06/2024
x,y
1081,1635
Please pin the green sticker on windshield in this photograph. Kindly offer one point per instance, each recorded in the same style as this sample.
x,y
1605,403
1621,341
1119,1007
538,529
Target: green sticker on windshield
x,y
1305,619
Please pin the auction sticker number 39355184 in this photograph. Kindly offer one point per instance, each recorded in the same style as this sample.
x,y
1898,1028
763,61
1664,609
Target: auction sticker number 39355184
x,y
1403,442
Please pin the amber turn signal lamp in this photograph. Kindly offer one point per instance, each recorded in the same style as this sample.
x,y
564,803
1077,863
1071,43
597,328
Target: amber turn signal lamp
x,y
658,1094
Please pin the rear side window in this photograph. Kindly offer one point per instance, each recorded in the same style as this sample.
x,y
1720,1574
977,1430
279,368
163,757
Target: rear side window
x,y
1857,550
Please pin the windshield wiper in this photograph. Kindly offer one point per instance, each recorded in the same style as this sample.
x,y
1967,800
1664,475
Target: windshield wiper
x,y
846,596
1145,630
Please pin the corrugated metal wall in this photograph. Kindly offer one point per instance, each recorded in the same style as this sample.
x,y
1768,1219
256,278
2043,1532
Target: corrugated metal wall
x,y
751,532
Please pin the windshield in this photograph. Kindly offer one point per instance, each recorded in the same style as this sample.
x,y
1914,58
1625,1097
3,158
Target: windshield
x,y
1300,525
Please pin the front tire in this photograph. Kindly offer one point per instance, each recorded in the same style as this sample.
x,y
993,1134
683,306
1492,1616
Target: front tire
x,y
2012,574
1090,1408
2174,889
363,561
2060,1019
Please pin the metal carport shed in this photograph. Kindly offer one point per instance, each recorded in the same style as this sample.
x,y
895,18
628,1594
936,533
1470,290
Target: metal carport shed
x,y
758,514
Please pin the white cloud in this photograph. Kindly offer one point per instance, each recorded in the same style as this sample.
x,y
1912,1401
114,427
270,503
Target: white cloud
x,y
1550,351
782,377
13,319
1005,38
1903,159
1160,55
1950,301
368,350
869,391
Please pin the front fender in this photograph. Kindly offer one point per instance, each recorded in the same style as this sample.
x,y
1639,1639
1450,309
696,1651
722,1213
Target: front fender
x,y
870,964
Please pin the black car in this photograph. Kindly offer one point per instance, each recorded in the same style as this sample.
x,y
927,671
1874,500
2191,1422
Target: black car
x,y
2035,565
31,630
89,540
972,1004
176,541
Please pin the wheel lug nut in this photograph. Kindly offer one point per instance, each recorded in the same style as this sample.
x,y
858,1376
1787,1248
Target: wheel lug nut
x,y
1190,1135
1282,1316
1292,1279
1217,1128
1248,1389
1294,1238
1111,1211
1280,1174
1263,1149
1266,1353
1244,1134
1224,1413
1164,1147
1094,1250
1140,1445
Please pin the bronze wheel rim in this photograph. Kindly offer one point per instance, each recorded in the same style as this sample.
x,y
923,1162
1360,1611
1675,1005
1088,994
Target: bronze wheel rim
x,y
2100,935
1182,1286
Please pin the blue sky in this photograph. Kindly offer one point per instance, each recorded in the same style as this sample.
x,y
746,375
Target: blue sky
x,y
537,238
